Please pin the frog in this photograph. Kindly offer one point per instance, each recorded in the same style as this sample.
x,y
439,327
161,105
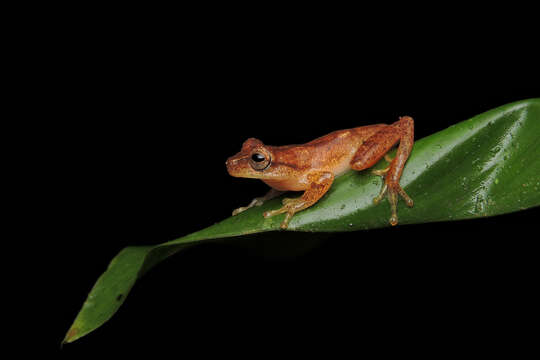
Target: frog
x,y
312,167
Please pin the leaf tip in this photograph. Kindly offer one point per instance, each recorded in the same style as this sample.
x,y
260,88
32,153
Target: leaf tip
x,y
70,336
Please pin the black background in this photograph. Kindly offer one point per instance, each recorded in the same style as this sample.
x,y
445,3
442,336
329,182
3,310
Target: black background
x,y
143,119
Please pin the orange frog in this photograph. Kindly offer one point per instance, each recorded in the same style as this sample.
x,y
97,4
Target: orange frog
x,y
312,167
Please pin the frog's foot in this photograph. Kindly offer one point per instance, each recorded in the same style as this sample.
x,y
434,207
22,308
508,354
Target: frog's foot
x,y
255,202
320,183
258,201
290,206
392,190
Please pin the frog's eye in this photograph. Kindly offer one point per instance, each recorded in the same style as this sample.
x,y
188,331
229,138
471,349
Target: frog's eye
x,y
257,157
259,161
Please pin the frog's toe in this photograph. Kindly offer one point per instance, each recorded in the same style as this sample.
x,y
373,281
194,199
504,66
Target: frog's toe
x,y
254,202
408,201
393,199
271,213
393,192
289,207
285,223
377,199
239,210
381,172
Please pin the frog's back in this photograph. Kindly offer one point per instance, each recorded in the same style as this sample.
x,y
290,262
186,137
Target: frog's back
x,y
355,134
332,152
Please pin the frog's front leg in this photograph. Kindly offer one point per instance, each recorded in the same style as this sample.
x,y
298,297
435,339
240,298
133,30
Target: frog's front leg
x,y
259,201
320,182
375,147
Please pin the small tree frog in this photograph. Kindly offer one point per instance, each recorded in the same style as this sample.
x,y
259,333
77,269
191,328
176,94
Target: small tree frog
x,y
312,167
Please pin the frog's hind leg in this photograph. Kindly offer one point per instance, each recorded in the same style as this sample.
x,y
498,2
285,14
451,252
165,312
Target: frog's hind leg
x,y
375,147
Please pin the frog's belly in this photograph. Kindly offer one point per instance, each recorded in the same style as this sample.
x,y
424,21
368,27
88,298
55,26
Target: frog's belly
x,y
342,167
302,183
287,185
338,165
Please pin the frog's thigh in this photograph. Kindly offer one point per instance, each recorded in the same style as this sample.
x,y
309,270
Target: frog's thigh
x,y
374,148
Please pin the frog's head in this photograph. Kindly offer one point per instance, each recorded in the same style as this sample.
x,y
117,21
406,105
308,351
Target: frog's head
x,y
253,161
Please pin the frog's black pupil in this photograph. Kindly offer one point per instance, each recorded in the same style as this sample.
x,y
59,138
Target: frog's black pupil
x,y
257,157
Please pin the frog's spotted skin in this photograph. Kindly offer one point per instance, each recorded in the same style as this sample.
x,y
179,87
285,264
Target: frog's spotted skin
x,y
312,167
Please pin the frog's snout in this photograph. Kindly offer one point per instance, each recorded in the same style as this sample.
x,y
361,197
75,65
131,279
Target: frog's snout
x,y
230,164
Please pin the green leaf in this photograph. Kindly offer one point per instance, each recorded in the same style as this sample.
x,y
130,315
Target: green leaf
x,y
484,166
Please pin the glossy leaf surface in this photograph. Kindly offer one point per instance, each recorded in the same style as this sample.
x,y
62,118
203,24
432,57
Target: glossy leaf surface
x,y
484,166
